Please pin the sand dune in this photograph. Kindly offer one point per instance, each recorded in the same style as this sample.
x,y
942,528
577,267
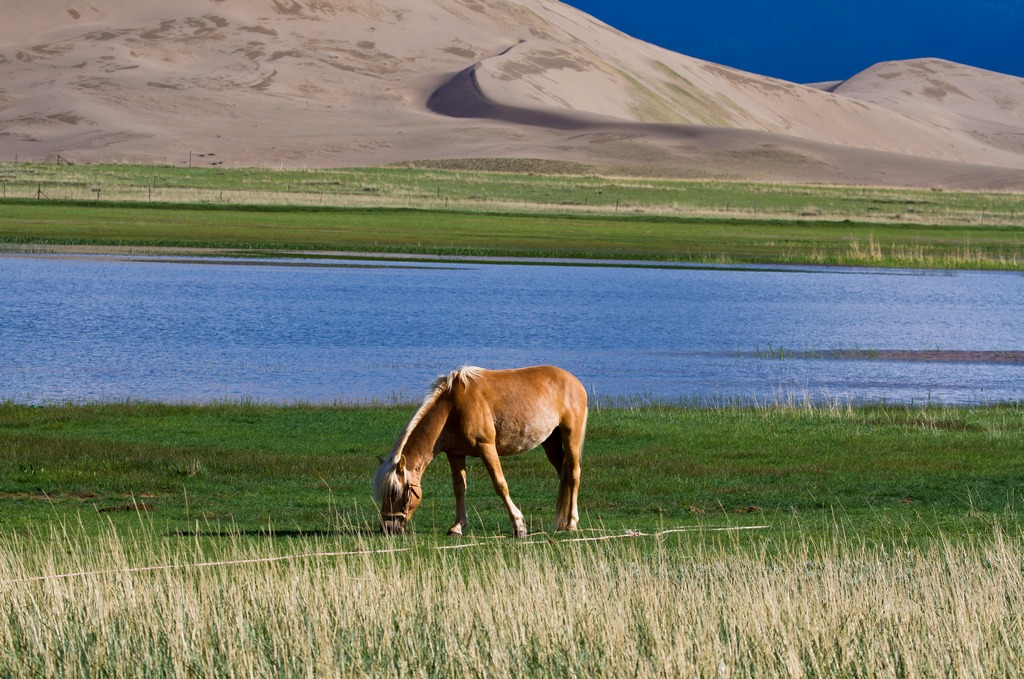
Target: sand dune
x,y
358,82
979,106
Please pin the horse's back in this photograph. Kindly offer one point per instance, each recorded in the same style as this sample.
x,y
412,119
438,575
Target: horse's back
x,y
542,387
520,407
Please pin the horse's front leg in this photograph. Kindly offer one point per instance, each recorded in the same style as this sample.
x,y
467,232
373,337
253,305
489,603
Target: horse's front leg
x,y
458,465
489,456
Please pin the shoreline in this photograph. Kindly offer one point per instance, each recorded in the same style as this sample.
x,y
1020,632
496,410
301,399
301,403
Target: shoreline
x,y
202,254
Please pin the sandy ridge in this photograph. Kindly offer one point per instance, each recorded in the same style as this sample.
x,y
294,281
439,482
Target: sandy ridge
x,y
364,82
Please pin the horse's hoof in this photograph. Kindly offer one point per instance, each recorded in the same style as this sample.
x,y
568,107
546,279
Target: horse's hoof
x,y
455,533
519,533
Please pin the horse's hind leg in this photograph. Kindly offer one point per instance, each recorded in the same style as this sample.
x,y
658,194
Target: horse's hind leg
x,y
553,449
458,465
567,513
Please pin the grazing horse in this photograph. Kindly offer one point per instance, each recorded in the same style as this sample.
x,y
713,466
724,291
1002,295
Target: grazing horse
x,y
473,412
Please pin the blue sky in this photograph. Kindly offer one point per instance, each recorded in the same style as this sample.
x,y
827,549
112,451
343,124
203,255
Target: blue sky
x,y
817,40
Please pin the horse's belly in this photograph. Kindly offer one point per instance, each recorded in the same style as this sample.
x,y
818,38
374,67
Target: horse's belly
x,y
519,435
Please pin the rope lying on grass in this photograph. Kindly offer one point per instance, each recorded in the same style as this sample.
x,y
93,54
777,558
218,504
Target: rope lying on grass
x,y
358,552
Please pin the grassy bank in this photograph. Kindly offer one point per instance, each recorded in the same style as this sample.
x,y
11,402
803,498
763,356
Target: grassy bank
x,y
308,468
147,539
42,226
450,212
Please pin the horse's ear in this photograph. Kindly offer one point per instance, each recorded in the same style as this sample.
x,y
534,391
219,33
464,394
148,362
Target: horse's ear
x,y
401,465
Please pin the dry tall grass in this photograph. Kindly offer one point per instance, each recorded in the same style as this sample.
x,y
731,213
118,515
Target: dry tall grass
x,y
634,607
871,252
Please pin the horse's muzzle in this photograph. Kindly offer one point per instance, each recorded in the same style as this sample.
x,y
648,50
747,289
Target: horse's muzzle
x,y
392,526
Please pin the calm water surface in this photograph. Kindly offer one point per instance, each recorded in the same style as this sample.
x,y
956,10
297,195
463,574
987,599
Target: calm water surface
x,y
95,328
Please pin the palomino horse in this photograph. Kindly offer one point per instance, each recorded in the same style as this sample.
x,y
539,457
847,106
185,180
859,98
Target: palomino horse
x,y
473,412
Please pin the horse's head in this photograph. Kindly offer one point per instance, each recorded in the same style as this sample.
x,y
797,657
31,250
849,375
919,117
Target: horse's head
x,y
397,495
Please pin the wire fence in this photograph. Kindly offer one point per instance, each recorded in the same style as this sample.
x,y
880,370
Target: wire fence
x,y
629,534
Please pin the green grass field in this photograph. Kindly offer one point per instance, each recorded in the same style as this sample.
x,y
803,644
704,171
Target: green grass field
x,y
269,231
254,467
448,212
238,539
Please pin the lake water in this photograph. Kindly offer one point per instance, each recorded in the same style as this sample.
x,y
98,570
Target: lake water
x,y
104,328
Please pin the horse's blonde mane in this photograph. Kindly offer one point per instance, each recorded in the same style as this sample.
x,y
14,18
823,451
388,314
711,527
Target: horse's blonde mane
x,y
386,481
